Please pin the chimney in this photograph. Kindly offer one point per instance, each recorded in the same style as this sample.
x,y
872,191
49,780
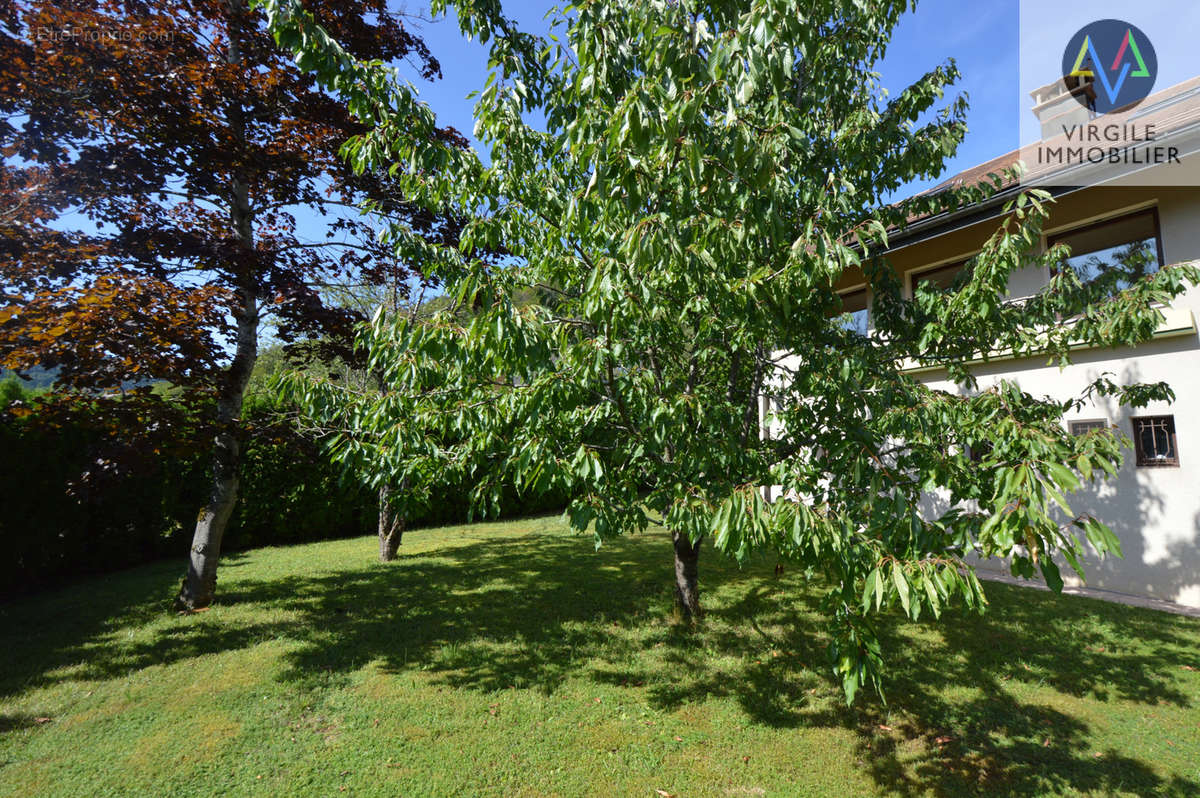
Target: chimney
x,y
1067,102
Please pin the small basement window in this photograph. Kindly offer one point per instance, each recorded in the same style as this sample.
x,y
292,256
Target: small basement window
x,y
1118,251
1154,441
1088,425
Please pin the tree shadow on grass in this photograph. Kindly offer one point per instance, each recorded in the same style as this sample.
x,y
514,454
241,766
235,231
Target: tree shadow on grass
x,y
487,616
983,736
17,720
978,736
533,612
48,630
76,627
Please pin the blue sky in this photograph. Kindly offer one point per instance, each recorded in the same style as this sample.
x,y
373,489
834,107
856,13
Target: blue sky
x,y
980,36
982,39
1003,48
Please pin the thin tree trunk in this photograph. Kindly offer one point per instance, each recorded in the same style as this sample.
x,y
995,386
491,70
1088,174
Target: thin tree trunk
x,y
200,584
391,523
687,578
391,527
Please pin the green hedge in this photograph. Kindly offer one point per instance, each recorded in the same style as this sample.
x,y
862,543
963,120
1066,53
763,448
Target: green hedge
x,y
56,527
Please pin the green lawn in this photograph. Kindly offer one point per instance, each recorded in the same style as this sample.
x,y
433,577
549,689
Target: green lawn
x,y
512,659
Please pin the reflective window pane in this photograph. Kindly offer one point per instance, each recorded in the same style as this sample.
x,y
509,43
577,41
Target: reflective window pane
x,y
855,311
940,278
1115,254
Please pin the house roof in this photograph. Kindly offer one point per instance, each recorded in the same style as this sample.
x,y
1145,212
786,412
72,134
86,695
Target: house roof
x,y
1171,110
1168,111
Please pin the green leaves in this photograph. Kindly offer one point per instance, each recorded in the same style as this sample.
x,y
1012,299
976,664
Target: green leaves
x,y
685,221
1050,572
901,585
872,590
1100,536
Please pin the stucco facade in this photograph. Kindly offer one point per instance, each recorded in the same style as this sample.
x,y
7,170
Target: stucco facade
x,y
1154,509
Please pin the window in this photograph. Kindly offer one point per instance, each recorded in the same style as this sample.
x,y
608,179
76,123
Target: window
x,y
1154,441
1088,425
1115,253
940,278
855,311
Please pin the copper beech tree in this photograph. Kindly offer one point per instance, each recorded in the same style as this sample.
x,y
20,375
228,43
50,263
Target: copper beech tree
x,y
156,157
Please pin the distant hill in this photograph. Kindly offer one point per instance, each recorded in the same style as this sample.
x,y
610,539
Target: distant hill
x,y
38,377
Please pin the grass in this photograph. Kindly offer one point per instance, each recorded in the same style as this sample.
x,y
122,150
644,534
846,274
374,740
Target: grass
x,y
511,659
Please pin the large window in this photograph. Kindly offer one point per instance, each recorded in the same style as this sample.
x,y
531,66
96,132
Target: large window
x,y
940,278
1115,253
855,311
1154,441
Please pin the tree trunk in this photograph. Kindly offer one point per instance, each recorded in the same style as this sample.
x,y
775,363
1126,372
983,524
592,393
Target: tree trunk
x,y
200,584
391,523
687,578
391,527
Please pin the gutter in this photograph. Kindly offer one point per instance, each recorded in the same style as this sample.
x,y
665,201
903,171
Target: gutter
x,y
952,221
1176,323
991,208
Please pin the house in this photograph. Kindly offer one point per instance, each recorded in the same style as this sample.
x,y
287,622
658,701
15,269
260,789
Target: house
x,y
1154,503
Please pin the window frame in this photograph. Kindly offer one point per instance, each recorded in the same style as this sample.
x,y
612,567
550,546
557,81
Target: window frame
x,y
1140,457
865,290
913,276
1103,422
1152,210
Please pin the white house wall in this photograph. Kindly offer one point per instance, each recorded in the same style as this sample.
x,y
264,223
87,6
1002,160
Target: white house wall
x,y
1155,511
